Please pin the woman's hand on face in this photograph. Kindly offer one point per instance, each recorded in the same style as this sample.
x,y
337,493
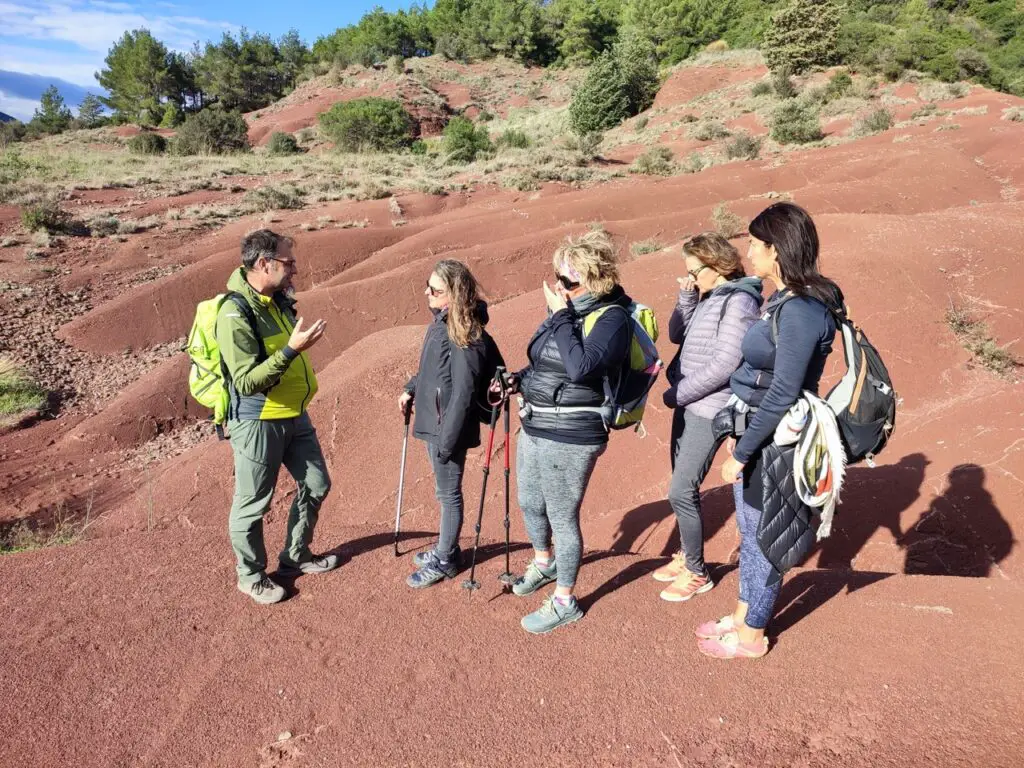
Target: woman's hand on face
x,y
732,470
686,283
554,300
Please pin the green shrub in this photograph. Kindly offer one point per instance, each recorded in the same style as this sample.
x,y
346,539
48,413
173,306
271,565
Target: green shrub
x,y
514,138
802,35
589,144
620,84
783,85
744,146
45,216
147,143
708,130
463,141
369,124
418,147
212,132
761,88
727,223
878,121
641,123
484,116
274,198
795,122
18,393
838,86
657,161
282,144
171,117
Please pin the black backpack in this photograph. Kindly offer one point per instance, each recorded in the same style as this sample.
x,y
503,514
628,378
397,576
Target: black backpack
x,y
864,400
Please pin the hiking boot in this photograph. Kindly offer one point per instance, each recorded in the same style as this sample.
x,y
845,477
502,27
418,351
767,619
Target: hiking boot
x,y
670,571
422,558
534,578
432,572
315,564
265,591
685,586
551,615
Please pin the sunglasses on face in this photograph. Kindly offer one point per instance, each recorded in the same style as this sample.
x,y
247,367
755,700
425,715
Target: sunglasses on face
x,y
288,263
435,292
693,273
566,283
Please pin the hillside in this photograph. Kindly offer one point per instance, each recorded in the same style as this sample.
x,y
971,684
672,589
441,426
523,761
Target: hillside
x,y
131,645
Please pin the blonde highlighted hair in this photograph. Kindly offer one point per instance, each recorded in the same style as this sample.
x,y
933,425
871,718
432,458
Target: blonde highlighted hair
x,y
592,256
464,326
713,250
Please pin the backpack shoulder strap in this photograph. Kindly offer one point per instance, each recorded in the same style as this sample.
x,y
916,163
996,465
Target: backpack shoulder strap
x,y
775,316
239,301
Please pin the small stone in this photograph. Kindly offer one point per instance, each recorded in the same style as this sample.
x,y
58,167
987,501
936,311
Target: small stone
x,y
284,735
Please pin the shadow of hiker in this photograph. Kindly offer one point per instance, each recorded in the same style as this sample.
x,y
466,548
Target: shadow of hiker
x,y
962,533
809,590
716,507
626,576
873,498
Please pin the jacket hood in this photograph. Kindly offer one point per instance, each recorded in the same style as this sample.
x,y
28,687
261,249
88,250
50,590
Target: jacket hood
x,y
239,284
748,285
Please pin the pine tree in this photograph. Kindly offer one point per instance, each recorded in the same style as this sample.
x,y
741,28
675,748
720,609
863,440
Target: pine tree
x,y
52,116
138,69
90,111
802,35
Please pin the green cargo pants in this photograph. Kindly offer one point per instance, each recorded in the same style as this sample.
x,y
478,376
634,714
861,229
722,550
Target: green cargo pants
x,y
260,448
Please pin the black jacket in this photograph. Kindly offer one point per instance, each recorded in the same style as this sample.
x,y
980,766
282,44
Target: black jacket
x,y
568,370
445,389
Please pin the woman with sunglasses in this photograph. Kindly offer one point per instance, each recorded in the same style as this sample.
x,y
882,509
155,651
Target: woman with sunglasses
x,y
716,306
774,372
445,390
564,432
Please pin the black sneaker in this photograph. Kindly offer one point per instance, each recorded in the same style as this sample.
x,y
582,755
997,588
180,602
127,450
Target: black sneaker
x,y
315,564
432,572
422,558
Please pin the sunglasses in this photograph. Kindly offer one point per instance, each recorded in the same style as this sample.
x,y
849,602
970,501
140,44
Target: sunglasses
x,y
694,273
435,292
566,283
287,262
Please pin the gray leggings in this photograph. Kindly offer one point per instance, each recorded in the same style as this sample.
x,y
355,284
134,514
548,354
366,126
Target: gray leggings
x,y
448,491
552,478
693,450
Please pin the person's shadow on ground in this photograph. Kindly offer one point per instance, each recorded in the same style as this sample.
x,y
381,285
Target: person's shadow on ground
x,y
962,533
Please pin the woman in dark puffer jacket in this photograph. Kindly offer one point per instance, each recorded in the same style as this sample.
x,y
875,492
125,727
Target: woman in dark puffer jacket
x,y
452,362
783,250
716,306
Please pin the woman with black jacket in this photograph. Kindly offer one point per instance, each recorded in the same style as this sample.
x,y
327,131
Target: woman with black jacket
x,y
563,419
444,390
774,372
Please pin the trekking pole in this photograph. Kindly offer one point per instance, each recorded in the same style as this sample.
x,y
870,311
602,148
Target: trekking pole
x,y
472,583
401,477
507,578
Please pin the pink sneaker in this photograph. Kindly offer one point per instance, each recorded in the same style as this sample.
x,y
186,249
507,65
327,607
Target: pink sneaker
x,y
728,646
685,586
709,630
671,570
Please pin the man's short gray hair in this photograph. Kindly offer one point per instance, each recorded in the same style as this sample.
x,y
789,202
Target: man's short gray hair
x,y
261,243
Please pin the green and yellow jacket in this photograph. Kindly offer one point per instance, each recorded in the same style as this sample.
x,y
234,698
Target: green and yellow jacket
x,y
280,384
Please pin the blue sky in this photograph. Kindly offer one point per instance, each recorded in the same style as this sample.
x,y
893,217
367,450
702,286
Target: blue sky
x,y
66,42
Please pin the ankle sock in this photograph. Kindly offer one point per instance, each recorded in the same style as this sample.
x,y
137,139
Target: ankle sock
x,y
563,601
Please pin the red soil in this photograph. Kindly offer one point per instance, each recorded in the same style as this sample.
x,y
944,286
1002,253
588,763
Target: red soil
x,y
894,642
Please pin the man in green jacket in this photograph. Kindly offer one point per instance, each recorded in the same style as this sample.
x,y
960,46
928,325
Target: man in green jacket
x,y
270,383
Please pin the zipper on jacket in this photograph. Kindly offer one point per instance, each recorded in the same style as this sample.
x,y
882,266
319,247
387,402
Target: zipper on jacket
x,y
288,328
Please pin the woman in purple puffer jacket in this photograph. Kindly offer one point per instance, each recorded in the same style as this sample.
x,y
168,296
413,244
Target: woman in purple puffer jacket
x,y
716,306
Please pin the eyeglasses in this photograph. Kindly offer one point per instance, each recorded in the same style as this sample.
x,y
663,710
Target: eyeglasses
x,y
566,283
290,263
435,292
694,273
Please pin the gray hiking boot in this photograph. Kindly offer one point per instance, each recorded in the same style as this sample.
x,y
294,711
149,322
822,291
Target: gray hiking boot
x,y
422,558
551,615
315,564
432,572
265,591
534,578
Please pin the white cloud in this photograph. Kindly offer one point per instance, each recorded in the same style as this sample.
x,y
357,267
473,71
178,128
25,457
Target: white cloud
x,y
19,108
73,67
94,25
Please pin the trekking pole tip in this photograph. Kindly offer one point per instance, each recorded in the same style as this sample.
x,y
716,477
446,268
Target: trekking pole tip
x,y
507,578
471,584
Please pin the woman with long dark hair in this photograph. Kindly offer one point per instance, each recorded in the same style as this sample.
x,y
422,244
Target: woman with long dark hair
x,y
783,250
452,361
